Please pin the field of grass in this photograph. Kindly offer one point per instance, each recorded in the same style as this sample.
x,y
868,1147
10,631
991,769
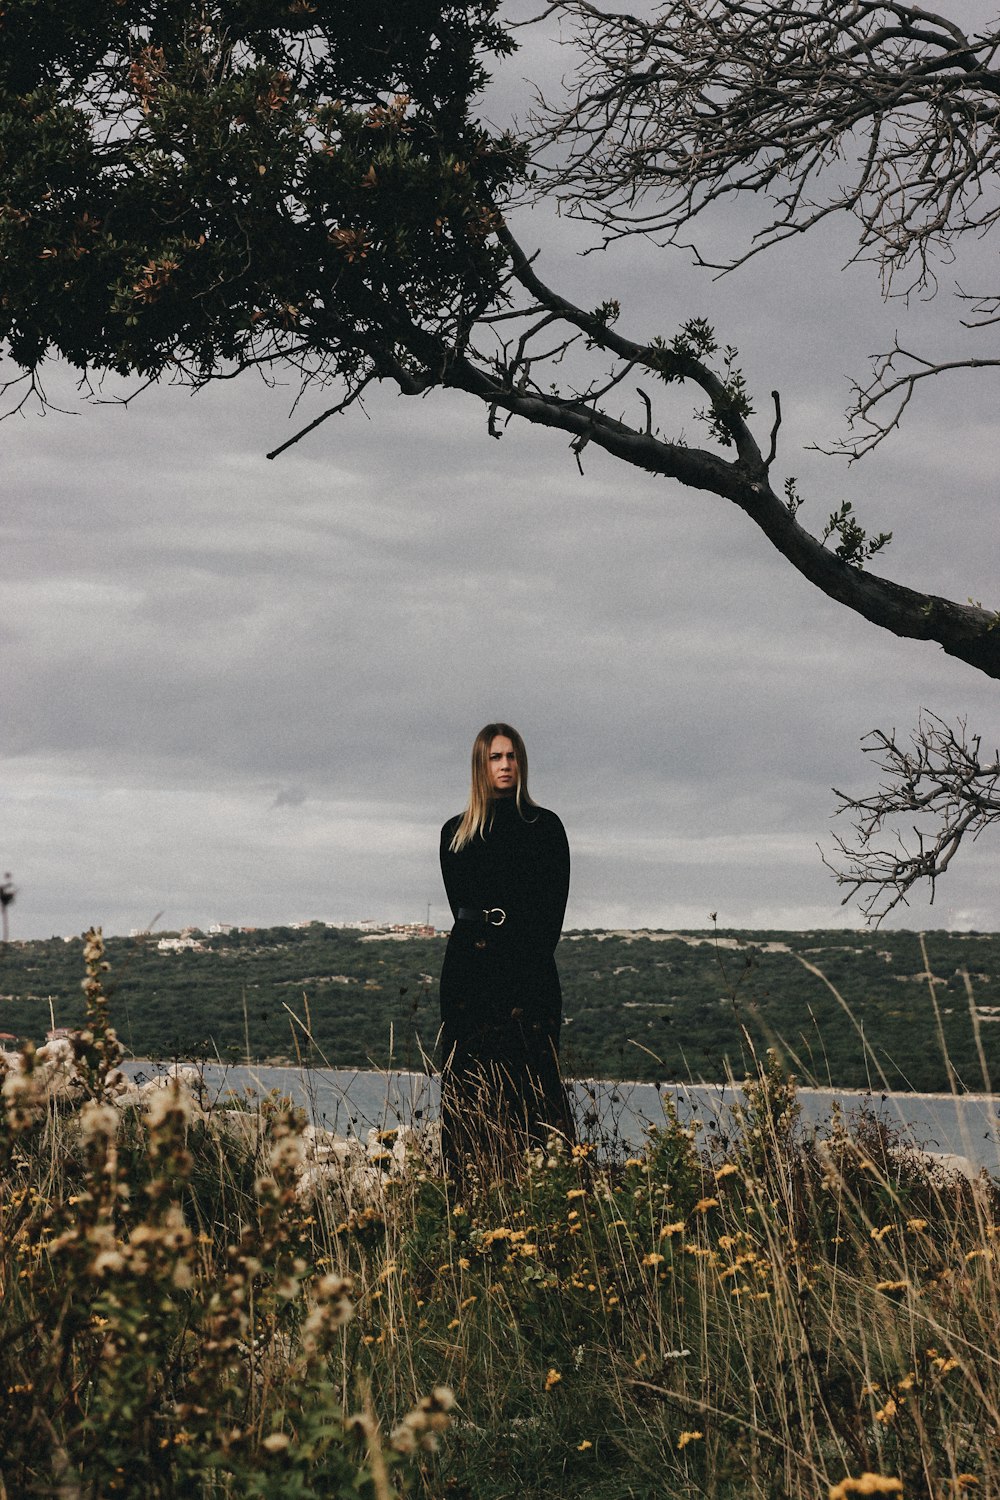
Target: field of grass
x,y
224,1304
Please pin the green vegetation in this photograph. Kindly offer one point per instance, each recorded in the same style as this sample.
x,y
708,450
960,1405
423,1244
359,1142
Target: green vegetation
x,y
652,1007
189,1306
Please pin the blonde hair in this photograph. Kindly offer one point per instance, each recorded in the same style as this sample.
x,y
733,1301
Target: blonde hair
x,y
478,815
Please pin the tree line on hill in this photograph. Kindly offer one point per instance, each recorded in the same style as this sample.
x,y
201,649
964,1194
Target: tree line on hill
x,y
654,1007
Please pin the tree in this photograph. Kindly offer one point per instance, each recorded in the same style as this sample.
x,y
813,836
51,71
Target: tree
x,y
195,188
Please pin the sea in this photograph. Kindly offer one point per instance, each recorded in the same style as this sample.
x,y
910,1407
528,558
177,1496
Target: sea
x,y
617,1116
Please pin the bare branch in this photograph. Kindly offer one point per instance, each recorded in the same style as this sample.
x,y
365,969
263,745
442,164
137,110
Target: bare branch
x,y
773,450
704,101
649,409
941,779
800,108
332,411
878,407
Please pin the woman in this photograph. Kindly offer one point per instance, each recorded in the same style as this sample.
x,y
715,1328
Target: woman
x,y
505,863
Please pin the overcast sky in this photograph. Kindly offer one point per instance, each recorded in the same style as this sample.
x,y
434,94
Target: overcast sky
x,y
236,690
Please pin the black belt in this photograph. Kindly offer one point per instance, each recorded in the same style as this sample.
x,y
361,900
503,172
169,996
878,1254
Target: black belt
x,y
490,916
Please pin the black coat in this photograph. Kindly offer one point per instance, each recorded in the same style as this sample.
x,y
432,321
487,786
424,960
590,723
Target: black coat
x,y
521,866
501,1005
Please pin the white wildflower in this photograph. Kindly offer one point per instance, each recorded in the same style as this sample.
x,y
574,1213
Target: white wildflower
x,y
167,1101
287,1154
98,1121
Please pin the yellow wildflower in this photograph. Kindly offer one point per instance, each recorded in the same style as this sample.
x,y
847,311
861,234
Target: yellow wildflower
x,y
726,1170
582,1447
868,1484
880,1234
667,1229
891,1286
552,1379
652,1259
688,1437
885,1415
915,1225
576,1193
704,1204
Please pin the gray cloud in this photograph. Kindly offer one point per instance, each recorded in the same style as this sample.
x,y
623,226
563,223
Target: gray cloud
x,y
188,627
292,796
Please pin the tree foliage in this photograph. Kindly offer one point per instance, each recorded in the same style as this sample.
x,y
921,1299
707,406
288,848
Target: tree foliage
x,y
193,189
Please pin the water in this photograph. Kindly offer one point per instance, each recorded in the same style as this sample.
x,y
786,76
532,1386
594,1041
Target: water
x,y
352,1102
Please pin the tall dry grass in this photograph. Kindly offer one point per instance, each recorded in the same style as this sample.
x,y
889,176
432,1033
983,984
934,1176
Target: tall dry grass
x,y
190,1306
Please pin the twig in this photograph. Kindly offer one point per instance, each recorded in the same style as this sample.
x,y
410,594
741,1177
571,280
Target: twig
x,y
772,451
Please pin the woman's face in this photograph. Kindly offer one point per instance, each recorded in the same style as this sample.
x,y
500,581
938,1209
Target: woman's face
x,y
502,764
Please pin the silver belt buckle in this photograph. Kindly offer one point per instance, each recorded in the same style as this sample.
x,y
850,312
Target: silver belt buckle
x,y
494,916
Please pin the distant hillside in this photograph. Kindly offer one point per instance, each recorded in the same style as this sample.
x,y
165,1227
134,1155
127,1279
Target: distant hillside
x,y
642,1005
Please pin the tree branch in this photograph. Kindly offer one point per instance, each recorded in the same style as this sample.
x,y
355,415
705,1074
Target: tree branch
x,y
942,779
807,108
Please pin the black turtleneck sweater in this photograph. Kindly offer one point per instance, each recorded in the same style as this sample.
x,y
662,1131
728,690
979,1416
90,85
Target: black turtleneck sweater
x,y
492,973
